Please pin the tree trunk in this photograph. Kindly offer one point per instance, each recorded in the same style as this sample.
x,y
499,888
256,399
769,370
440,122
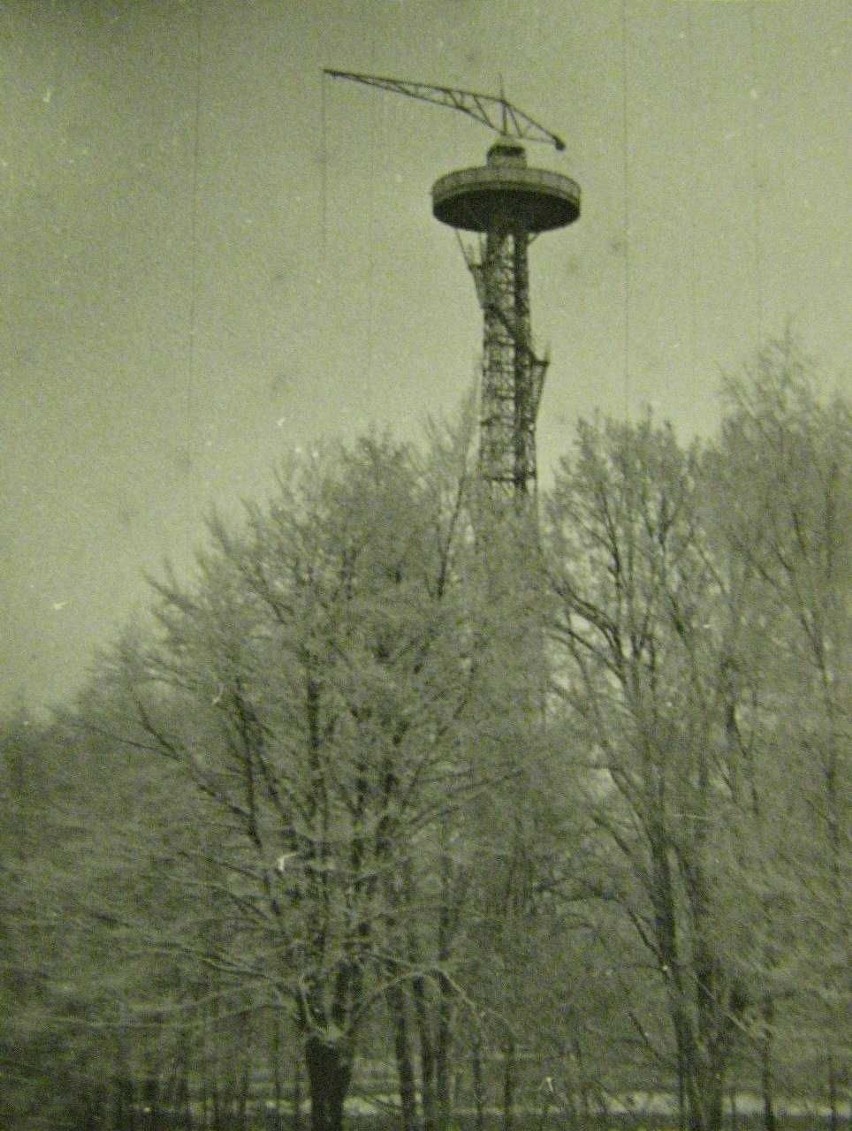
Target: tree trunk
x,y
275,1058
183,1094
832,1094
585,1106
681,1090
715,1105
689,1065
477,1081
404,1060
245,1092
705,1089
443,1044
509,1084
329,1065
705,1092
427,1055
766,1082
297,1096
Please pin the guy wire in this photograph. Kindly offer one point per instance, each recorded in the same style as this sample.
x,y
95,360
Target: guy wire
x,y
323,168
625,153
754,93
193,259
693,179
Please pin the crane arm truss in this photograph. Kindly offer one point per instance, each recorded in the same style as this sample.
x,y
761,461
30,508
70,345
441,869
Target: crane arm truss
x,y
492,111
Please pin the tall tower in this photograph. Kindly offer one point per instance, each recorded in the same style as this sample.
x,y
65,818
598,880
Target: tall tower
x,y
507,203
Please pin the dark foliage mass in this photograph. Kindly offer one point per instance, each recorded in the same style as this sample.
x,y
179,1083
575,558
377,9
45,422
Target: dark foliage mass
x,y
414,804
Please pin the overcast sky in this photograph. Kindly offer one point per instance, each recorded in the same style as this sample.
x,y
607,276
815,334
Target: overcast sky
x,y
213,255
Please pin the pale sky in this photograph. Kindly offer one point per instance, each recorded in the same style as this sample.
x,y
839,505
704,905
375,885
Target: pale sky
x,y
213,255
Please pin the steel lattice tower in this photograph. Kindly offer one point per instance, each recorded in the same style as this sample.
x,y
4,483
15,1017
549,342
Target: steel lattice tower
x,y
507,203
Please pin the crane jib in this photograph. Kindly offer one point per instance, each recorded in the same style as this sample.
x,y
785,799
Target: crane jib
x,y
490,110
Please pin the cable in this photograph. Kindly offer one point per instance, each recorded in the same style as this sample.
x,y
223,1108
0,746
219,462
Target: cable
x,y
625,152
323,169
756,212
371,255
193,257
693,178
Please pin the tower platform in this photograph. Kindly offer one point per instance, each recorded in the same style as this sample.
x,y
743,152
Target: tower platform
x,y
506,192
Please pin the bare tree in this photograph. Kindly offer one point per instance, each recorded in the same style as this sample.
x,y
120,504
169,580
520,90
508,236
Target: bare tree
x,y
318,687
638,645
782,516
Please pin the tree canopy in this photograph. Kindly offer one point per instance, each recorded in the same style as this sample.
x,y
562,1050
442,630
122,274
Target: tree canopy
x,y
411,797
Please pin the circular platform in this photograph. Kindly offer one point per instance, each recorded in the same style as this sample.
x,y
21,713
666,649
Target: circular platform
x,y
481,199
